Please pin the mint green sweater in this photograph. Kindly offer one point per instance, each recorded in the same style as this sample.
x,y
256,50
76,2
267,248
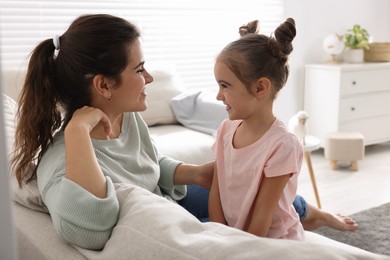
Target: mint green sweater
x,y
79,217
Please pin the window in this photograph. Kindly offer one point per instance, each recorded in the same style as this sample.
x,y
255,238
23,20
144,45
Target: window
x,y
188,33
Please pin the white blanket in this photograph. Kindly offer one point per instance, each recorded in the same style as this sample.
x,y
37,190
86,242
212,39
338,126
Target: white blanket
x,y
151,227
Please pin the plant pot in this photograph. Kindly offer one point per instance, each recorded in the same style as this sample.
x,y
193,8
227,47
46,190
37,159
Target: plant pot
x,y
354,55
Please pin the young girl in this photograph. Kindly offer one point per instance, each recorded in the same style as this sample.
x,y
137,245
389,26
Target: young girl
x,y
257,158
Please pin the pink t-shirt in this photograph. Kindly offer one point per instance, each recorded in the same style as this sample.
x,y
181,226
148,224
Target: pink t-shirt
x,y
240,172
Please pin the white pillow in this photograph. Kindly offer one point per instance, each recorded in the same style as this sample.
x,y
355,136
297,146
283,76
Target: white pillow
x,y
28,195
166,85
13,80
10,108
199,111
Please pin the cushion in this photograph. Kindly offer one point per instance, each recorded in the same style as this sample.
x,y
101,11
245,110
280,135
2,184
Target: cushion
x,y
166,85
10,108
199,110
28,195
13,80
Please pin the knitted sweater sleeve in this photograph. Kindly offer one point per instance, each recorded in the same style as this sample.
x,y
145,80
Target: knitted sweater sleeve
x,y
167,170
79,217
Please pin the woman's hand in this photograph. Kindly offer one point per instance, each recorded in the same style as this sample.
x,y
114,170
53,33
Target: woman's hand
x,y
205,175
89,117
202,175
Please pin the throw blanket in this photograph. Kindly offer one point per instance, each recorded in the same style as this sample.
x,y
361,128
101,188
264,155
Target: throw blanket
x,y
151,227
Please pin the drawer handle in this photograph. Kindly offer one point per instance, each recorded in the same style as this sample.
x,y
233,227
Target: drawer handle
x,y
353,109
354,82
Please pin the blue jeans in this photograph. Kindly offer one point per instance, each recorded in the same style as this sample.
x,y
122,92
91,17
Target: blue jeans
x,y
300,206
196,202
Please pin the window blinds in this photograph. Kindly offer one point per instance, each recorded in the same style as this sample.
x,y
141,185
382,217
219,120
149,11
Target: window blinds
x,y
188,33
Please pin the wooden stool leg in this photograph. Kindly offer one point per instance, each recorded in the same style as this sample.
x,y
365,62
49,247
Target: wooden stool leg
x,y
313,180
354,166
333,164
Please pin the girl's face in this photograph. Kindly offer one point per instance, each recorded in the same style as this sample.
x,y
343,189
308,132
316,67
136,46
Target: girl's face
x,y
130,94
234,94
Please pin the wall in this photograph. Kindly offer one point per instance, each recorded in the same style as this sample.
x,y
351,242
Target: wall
x,y
316,19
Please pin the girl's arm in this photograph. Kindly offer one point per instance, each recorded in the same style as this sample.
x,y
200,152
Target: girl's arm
x,y
215,207
269,194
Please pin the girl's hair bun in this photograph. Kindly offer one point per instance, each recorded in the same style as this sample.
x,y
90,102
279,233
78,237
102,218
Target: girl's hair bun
x,y
286,32
252,27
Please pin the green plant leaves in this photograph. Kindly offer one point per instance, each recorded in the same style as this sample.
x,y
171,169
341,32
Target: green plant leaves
x,y
356,38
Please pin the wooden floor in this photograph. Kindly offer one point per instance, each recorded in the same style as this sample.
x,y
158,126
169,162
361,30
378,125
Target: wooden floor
x,y
345,191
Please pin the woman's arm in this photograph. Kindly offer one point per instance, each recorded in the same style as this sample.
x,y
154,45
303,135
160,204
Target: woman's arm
x,y
81,163
186,174
270,192
215,207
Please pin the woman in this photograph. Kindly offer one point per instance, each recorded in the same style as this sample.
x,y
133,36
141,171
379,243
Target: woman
x,y
78,117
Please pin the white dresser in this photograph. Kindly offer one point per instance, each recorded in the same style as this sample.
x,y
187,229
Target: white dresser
x,y
348,97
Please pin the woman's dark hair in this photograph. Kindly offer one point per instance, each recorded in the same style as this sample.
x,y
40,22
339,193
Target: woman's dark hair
x,y
255,55
58,82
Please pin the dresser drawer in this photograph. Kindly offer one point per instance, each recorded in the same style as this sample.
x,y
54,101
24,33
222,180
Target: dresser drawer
x,y
363,81
374,129
368,105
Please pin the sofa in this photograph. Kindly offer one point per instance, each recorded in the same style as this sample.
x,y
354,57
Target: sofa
x,y
182,124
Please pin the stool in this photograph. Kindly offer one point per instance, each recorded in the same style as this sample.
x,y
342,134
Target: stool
x,y
344,146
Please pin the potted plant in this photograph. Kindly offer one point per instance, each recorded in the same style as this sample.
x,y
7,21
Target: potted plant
x,y
356,40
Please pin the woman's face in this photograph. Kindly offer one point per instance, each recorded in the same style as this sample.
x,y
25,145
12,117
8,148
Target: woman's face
x,y
130,94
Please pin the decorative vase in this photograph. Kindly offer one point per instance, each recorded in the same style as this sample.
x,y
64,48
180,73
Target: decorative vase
x,y
354,55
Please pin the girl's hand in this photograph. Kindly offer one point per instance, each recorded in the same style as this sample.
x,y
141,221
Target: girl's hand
x,y
89,117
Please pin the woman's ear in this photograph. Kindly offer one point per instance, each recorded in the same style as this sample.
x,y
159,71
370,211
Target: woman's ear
x,y
102,86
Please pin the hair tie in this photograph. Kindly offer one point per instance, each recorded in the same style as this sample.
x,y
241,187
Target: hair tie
x,y
56,42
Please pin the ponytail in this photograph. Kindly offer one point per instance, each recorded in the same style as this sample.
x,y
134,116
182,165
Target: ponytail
x,y
38,113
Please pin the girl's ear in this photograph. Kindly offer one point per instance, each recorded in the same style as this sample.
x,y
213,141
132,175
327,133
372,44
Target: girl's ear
x,y
263,87
102,86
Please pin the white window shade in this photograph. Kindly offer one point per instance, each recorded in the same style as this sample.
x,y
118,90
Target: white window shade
x,y
188,33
